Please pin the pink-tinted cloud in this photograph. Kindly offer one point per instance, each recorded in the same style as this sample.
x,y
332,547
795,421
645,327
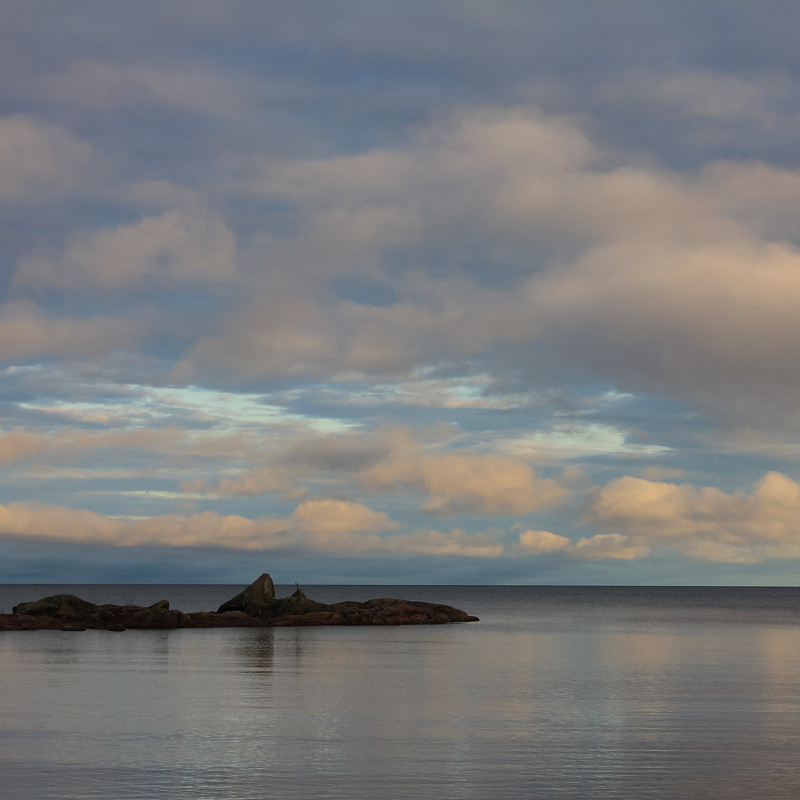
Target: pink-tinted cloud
x,y
315,526
183,245
543,542
657,281
703,523
459,482
26,331
40,161
591,548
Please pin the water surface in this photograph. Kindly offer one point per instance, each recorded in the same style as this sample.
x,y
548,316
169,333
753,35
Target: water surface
x,y
559,692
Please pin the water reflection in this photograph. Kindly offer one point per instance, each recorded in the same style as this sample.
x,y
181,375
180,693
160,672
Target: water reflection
x,y
256,649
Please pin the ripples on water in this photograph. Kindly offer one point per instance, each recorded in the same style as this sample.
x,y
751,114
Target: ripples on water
x,y
559,692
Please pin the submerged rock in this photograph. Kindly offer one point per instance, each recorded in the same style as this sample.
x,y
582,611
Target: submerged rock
x,y
255,606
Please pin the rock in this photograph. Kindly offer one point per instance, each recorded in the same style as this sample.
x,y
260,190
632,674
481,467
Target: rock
x,y
295,604
137,617
258,600
259,593
255,606
228,619
57,605
36,608
389,611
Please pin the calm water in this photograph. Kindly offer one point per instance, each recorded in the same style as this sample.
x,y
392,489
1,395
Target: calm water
x,y
559,692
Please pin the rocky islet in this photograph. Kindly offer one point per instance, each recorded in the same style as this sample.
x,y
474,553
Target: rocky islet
x,y
255,606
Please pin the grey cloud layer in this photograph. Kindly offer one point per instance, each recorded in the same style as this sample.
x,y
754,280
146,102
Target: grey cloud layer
x,y
656,279
300,278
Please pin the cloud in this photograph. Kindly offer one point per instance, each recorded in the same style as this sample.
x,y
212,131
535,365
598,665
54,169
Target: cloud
x,y
341,452
317,526
661,473
18,445
160,194
121,432
39,161
462,482
55,523
274,335
359,224
338,516
593,548
107,85
26,332
456,151
457,180
452,543
257,481
609,546
651,279
392,460
705,93
759,196
543,542
704,523
295,335
713,322
304,456
482,484
180,245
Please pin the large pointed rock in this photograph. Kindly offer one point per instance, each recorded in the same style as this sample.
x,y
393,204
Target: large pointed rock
x,y
254,599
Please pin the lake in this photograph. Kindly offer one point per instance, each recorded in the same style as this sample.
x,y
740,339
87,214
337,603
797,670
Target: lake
x,y
558,692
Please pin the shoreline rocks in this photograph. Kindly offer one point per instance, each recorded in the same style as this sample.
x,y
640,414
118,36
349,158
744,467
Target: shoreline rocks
x,y
255,606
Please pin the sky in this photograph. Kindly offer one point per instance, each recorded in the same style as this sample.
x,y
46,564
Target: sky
x,y
426,292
